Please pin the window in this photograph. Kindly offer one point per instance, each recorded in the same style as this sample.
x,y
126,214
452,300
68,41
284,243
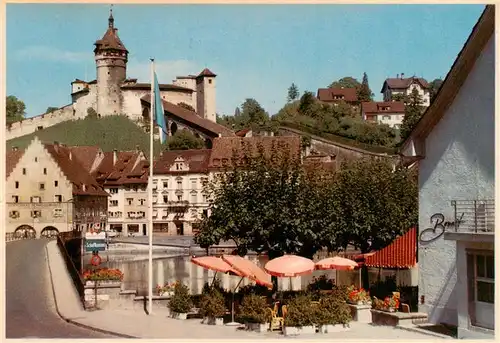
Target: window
x,y
118,214
165,184
44,171
14,214
36,159
24,171
193,183
130,201
36,214
15,198
58,198
155,199
56,183
58,212
179,198
110,214
194,198
387,117
42,186
481,275
141,214
35,199
165,198
17,184
113,203
142,201
204,197
179,184
205,213
113,190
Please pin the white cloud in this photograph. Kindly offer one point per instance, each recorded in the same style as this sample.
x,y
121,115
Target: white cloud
x,y
166,71
47,53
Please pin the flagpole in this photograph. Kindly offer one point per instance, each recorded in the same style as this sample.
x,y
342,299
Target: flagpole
x,y
150,194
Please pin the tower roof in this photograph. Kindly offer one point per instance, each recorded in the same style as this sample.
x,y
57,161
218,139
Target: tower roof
x,y
206,73
110,40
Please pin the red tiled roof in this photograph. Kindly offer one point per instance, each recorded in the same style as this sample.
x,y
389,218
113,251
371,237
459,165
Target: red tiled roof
x,y
223,147
206,72
124,171
243,132
399,83
373,107
328,94
86,155
197,160
83,182
163,87
12,157
192,118
402,253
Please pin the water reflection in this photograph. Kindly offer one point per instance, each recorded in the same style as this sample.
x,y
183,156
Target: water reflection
x,y
170,269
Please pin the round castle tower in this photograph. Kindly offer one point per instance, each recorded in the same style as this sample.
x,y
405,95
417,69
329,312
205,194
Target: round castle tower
x,y
111,63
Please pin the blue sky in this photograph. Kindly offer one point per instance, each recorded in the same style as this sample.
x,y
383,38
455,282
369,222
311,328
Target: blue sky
x,y
256,51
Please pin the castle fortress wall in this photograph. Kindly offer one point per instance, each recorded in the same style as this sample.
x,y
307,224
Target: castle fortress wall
x,y
30,125
82,101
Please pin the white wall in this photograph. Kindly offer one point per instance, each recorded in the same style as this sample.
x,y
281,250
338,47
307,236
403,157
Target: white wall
x,y
458,164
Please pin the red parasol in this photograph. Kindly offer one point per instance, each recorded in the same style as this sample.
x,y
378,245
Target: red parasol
x,y
248,269
337,262
289,266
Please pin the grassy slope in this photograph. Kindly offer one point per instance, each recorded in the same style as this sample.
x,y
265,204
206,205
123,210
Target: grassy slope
x,y
113,132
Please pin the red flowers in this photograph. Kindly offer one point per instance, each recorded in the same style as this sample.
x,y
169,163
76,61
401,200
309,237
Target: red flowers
x,y
360,295
103,274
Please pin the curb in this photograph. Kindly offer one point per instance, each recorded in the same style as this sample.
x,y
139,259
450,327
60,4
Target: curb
x,y
70,320
424,332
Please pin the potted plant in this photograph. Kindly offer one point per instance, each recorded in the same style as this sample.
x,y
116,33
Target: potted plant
x,y
103,275
300,316
359,296
167,290
180,302
213,307
253,312
333,314
389,304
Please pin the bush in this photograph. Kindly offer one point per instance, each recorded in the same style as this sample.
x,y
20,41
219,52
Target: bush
x,y
333,310
215,285
253,309
320,283
181,300
212,304
300,312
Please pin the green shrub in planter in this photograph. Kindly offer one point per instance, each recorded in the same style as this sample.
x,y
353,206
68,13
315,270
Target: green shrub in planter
x,y
181,301
253,310
301,312
333,309
212,304
215,284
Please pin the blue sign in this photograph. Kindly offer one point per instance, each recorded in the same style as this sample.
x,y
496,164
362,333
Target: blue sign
x,y
95,245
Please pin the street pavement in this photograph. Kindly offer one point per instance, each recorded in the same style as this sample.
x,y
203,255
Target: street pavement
x,y
30,307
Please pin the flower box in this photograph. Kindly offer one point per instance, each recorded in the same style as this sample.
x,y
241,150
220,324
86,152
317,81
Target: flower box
x,y
257,327
298,330
166,294
329,328
176,315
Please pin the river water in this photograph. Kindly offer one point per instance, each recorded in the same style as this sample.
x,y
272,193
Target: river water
x,y
170,267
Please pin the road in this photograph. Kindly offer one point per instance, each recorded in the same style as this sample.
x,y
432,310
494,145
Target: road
x,y
30,306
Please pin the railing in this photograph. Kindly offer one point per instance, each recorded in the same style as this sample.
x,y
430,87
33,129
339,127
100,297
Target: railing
x,y
16,236
62,238
474,216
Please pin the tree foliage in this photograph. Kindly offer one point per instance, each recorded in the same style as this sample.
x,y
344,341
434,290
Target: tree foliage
x,y
434,86
51,109
186,106
413,113
251,114
252,110
275,204
345,82
15,109
364,91
184,140
293,92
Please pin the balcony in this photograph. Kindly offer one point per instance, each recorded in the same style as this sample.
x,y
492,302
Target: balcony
x,y
178,206
474,221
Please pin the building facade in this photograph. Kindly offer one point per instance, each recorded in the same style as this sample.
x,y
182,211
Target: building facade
x,y
48,191
456,163
114,93
388,112
405,86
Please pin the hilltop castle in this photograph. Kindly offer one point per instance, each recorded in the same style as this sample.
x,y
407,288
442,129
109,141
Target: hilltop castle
x,y
112,93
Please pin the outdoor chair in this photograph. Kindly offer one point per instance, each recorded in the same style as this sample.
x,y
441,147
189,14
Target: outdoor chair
x,y
276,322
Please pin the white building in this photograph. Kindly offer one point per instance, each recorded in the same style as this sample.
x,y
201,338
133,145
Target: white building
x,y
454,144
405,86
390,113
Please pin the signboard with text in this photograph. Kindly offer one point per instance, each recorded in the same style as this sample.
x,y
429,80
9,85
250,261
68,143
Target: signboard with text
x,y
95,245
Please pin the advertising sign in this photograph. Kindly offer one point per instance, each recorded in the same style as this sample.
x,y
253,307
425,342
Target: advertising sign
x,y
95,245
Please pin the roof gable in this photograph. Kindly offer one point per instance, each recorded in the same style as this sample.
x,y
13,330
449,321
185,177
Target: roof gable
x,y
195,161
338,94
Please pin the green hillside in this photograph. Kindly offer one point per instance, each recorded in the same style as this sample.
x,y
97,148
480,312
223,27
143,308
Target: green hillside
x,y
113,132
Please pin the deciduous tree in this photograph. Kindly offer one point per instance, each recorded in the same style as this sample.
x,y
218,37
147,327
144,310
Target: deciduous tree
x,y
345,82
413,113
186,106
15,109
184,140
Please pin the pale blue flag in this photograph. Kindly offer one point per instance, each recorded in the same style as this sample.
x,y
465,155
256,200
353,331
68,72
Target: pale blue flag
x,y
159,114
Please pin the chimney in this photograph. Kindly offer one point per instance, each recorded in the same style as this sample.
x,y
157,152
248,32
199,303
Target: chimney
x,y
115,156
402,75
84,188
70,155
14,148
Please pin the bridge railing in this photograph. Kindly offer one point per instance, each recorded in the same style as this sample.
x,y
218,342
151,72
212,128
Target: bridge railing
x,y
16,236
78,280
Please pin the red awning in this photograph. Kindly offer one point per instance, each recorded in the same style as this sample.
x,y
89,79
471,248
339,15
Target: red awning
x,y
402,253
